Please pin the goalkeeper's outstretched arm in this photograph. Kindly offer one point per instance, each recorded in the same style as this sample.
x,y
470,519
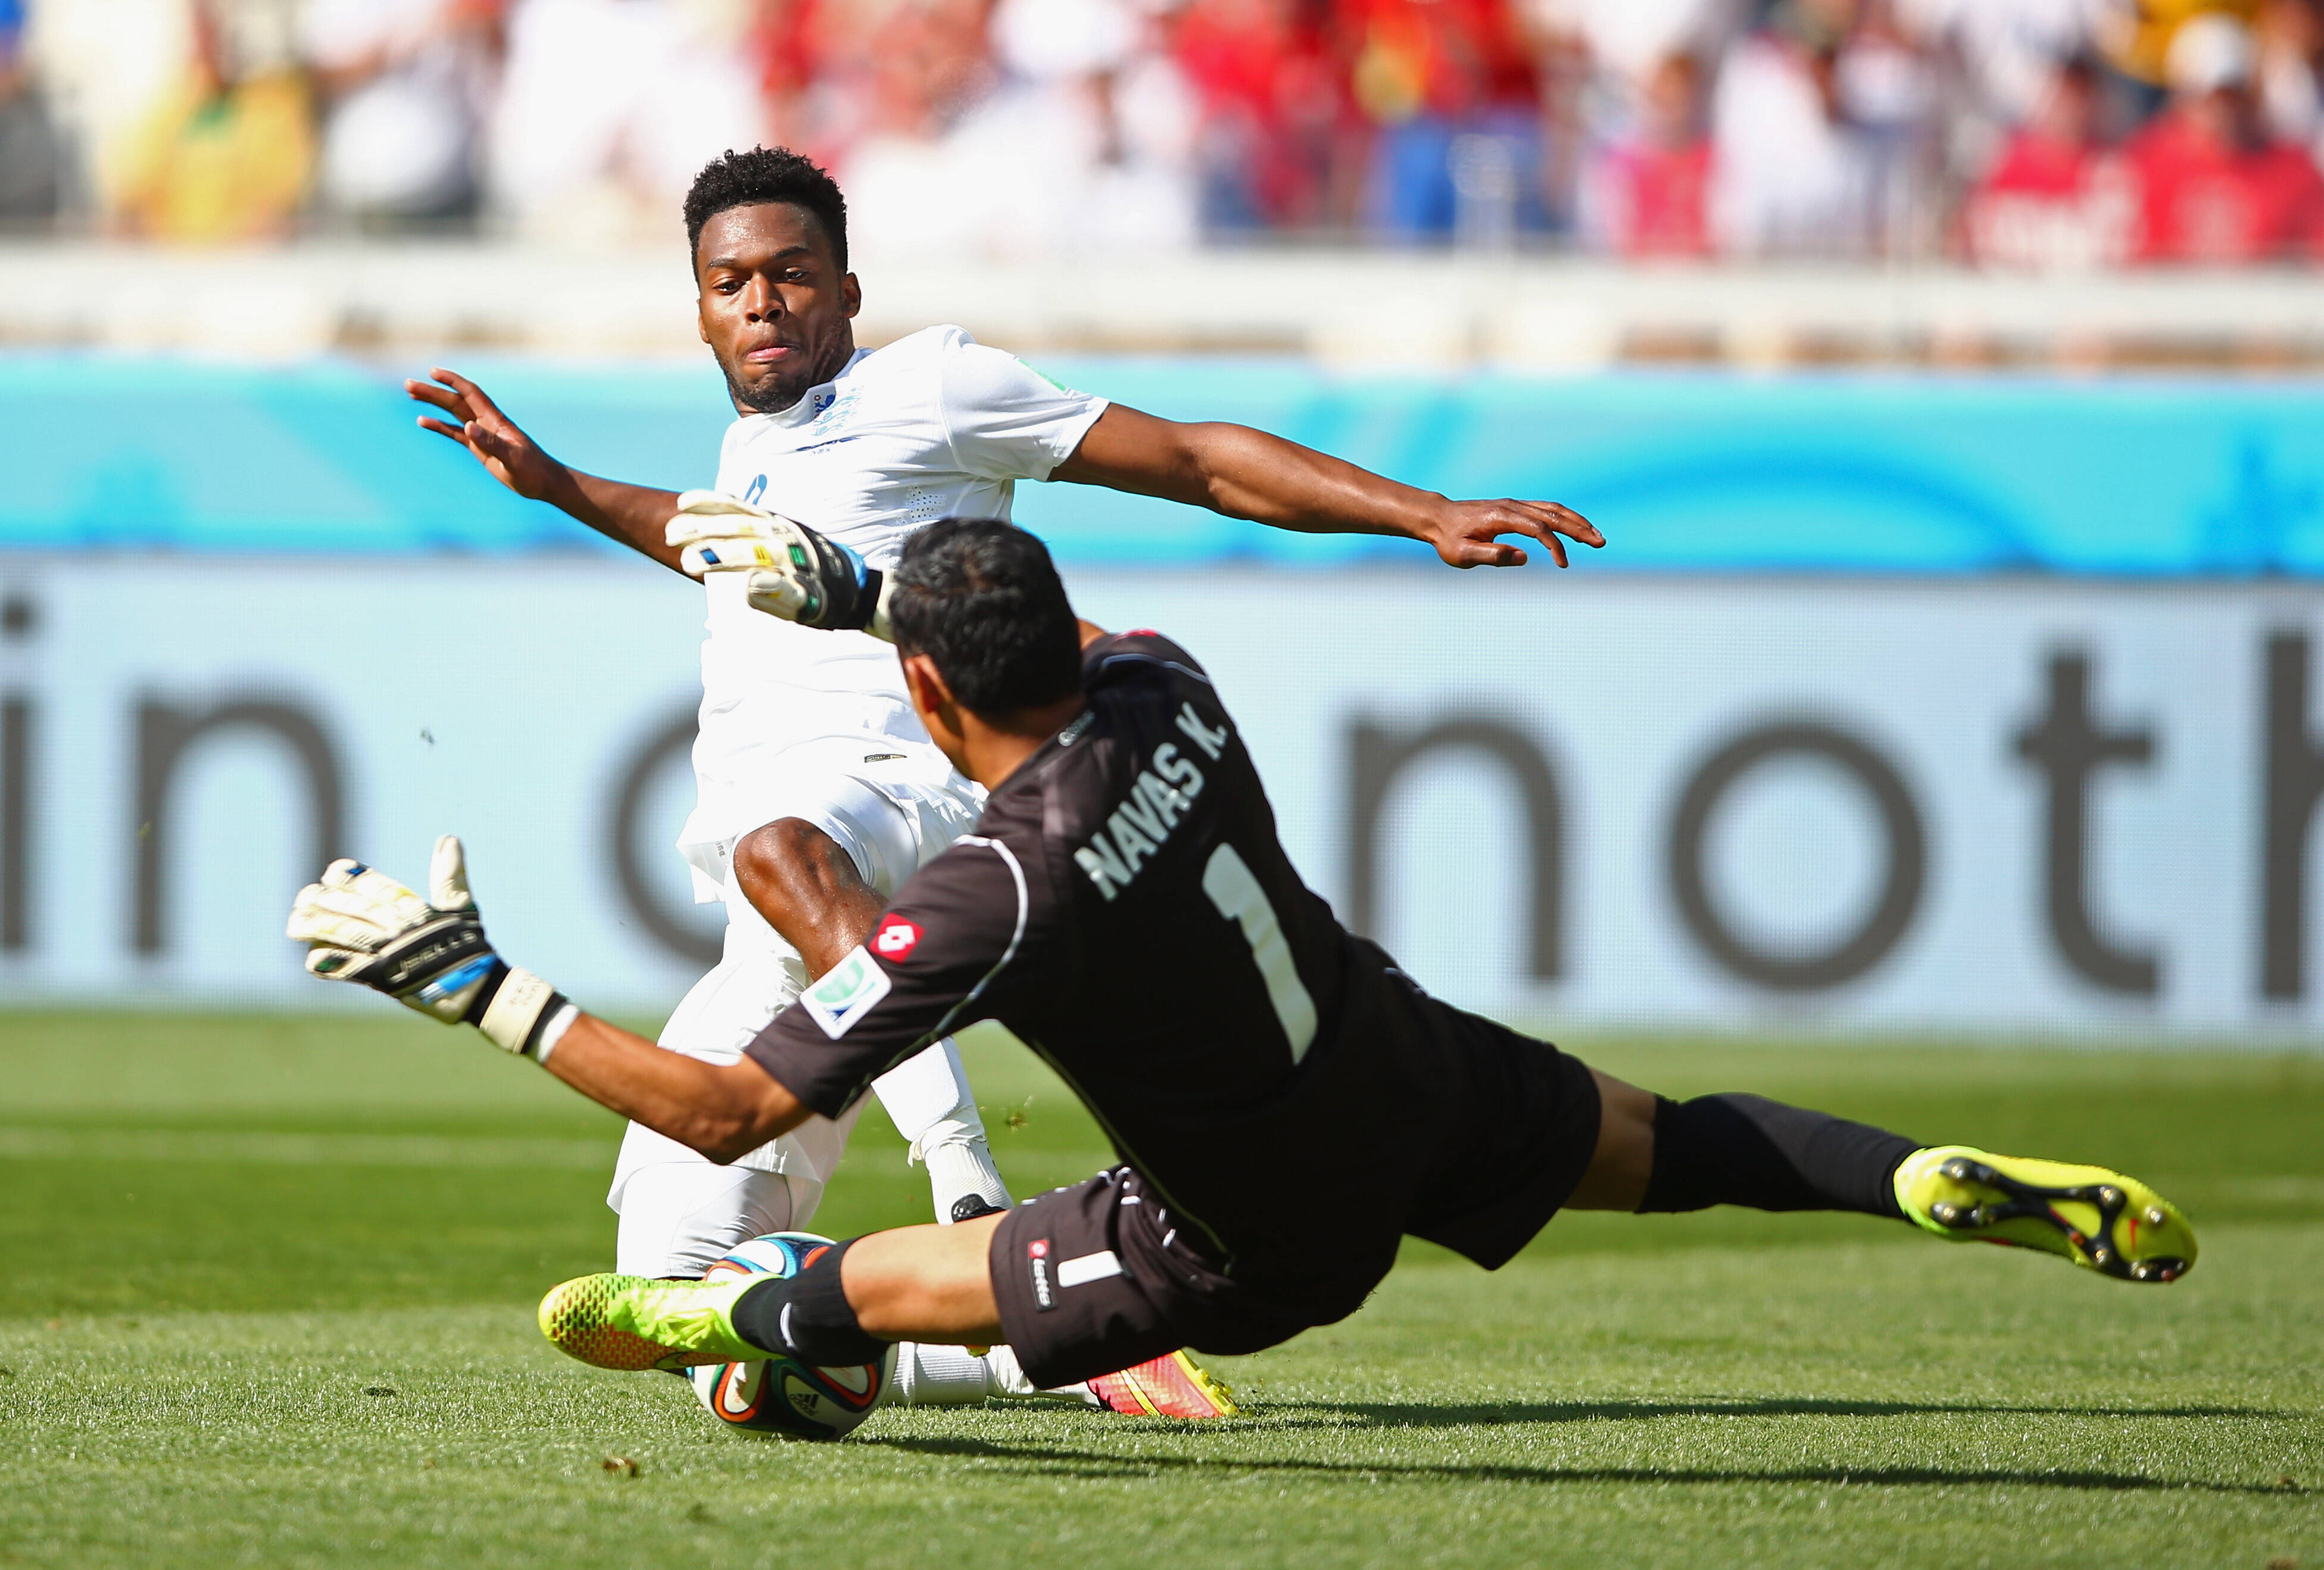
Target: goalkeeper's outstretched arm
x,y
635,516
723,1110
430,955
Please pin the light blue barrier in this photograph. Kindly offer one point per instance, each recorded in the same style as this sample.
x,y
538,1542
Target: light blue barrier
x,y
1685,472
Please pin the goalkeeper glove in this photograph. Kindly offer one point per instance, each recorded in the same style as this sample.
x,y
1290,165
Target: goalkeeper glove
x,y
360,925
795,573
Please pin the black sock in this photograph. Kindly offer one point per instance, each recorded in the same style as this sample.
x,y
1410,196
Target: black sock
x,y
807,1316
1745,1149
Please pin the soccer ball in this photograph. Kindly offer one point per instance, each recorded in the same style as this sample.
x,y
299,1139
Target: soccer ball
x,y
781,1395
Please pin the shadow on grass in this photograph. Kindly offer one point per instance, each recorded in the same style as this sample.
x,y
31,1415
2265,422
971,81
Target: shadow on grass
x,y
1055,1461
1415,1415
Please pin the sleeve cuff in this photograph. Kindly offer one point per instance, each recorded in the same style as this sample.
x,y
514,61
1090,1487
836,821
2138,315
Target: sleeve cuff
x,y
1069,440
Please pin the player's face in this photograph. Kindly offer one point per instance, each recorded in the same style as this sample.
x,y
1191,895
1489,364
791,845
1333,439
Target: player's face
x,y
775,306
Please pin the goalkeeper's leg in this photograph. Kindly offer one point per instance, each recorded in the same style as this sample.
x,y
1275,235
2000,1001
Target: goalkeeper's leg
x,y
1659,1155
679,1218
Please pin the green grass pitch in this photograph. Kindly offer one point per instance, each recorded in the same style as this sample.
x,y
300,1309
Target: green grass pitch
x,y
268,1301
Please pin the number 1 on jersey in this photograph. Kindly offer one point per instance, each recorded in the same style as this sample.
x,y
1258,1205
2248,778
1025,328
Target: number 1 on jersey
x,y
1236,892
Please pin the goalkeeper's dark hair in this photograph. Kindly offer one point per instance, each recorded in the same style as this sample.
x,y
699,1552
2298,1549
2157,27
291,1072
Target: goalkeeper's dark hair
x,y
765,174
983,599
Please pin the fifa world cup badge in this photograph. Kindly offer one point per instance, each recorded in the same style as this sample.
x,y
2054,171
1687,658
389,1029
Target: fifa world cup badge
x,y
846,992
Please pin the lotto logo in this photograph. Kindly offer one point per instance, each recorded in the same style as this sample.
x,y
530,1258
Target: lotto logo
x,y
896,939
1036,1261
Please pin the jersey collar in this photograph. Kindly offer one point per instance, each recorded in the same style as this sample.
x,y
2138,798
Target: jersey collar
x,y
817,398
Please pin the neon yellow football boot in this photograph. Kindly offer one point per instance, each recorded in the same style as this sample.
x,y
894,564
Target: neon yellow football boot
x,y
2100,1220
636,1322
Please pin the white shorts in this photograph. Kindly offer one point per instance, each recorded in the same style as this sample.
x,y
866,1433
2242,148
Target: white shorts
x,y
678,1220
892,805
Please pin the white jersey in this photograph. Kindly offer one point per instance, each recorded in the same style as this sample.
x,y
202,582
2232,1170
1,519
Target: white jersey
x,y
933,426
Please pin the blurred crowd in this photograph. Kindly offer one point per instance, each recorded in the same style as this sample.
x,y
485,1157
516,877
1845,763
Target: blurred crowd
x,y
2035,134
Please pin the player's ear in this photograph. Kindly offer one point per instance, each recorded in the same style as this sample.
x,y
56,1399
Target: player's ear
x,y
925,686
701,296
851,295
932,701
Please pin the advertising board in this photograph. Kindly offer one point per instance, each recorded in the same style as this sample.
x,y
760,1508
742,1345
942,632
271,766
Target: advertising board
x,y
1988,804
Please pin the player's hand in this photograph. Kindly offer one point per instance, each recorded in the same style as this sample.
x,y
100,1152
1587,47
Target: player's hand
x,y
361,926
476,423
1468,533
794,572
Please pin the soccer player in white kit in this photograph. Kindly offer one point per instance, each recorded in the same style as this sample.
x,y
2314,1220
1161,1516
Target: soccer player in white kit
x,y
819,791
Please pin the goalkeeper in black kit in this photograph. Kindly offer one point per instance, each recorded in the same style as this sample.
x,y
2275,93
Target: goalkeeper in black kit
x,y
1124,907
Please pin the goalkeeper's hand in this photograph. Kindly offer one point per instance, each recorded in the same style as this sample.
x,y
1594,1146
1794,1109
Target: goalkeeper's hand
x,y
795,573
360,925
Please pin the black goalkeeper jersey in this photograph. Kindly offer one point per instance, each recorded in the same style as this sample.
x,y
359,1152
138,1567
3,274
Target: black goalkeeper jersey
x,y
1125,908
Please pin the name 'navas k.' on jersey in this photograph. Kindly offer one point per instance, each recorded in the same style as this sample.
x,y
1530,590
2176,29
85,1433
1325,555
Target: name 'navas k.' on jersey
x,y
932,426
1125,907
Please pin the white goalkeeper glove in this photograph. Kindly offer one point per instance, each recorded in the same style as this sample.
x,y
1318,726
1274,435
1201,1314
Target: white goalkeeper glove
x,y
795,573
360,925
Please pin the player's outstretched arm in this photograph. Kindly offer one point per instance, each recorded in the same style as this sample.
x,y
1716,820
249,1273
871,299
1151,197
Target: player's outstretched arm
x,y
430,955
636,515
722,1110
1248,473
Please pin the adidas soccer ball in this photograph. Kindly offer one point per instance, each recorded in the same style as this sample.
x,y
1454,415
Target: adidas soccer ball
x,y
781,1395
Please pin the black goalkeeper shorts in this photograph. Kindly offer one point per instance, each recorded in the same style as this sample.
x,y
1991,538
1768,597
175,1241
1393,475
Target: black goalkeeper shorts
x,y
1094,1278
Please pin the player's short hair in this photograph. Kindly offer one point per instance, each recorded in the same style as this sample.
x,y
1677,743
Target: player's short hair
x,y
983,599
764,174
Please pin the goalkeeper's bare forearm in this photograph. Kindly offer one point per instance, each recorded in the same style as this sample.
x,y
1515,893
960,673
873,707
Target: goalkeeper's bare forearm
x,y
722,1110
363,926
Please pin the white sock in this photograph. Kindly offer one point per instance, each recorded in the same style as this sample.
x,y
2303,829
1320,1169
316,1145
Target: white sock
x,y
927,1375
1005,1378
928,1097
960,1164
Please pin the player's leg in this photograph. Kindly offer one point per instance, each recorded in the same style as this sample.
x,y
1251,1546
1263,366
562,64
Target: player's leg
x,y
1623,1165
931,1374
1122,1290
1656,1155
916,1283
678,1219
925,1283
672,1201
1106,1261
679,1213
938,1374
929,1099
819,875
